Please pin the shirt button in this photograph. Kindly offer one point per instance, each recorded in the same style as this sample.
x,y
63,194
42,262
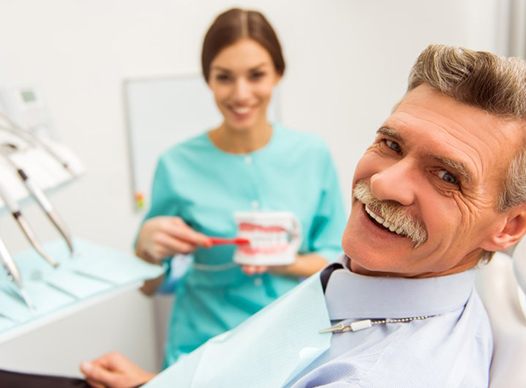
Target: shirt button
x,y
258,282
255,204
248,159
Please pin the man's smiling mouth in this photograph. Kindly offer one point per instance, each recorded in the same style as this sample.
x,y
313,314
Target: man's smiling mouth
x,y
390,215
382,222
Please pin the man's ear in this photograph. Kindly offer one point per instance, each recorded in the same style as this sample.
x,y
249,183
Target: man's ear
x,y
509,232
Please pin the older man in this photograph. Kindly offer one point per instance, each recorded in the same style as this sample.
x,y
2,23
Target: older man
x,y
441,188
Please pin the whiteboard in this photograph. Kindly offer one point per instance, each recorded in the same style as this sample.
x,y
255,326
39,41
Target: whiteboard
x,y
161,112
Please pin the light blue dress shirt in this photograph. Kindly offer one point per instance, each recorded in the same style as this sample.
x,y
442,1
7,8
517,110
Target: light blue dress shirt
x,y
282,346
205,186
452,348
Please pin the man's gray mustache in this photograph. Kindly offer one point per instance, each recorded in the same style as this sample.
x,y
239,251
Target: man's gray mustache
x,y
392,213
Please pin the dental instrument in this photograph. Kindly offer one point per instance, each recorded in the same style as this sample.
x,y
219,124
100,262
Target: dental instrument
x,y
6,149
14,273
15,211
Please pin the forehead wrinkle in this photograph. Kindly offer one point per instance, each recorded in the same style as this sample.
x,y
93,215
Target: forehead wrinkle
x,y
457,166
451,126
456,130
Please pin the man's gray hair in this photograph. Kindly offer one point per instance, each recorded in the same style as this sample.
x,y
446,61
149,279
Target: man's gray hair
x,y
487,81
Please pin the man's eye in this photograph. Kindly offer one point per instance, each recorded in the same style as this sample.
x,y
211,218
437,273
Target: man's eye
x,y
393,145
446,176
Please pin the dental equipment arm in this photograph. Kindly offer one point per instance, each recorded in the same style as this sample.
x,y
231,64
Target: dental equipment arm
x,y
38,195
14,273
30,137
15,211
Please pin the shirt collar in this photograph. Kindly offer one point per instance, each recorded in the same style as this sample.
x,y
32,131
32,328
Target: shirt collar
x,y
349,295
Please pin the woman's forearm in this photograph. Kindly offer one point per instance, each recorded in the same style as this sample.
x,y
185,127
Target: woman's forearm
x,y
304,266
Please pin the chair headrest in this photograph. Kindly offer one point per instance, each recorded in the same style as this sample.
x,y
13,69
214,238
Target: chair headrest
x,y
519,264
519,270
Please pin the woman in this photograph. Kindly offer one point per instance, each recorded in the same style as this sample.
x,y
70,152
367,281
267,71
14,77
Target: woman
x,y
244,164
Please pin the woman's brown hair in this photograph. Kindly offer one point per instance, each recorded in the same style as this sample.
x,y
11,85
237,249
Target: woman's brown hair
x,y
236,24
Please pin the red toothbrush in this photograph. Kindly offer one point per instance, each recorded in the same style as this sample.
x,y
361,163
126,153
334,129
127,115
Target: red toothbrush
x,y
229,241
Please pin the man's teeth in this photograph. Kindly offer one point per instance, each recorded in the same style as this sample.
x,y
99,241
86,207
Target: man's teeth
x,y
376,217
383,222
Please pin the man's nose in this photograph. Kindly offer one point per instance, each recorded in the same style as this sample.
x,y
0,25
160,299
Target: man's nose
x,y
395,183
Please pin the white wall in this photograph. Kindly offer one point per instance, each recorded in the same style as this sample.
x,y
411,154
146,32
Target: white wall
x,y
347,60
347,64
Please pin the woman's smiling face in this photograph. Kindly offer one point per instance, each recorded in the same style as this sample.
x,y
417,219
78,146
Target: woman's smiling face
x,y
242,78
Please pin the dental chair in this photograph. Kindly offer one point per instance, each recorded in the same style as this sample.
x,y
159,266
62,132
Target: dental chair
x,y
502,285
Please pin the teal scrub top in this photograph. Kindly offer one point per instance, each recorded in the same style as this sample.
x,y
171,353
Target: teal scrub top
x,y
205,186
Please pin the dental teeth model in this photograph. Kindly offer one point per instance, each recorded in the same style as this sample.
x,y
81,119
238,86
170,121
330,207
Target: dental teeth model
x,y
269,245
264,239
274,238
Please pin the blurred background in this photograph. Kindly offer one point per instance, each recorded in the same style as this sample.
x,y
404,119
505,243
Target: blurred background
x,y
347,64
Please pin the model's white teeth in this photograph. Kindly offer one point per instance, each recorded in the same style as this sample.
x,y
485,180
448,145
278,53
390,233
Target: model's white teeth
x,y
265,239
383,222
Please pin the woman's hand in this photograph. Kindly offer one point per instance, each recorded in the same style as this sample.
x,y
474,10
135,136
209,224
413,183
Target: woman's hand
x,y
304,266
161,237
255,269
113,370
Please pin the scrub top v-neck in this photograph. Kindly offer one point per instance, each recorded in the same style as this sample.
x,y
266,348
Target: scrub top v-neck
x,y
205,186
